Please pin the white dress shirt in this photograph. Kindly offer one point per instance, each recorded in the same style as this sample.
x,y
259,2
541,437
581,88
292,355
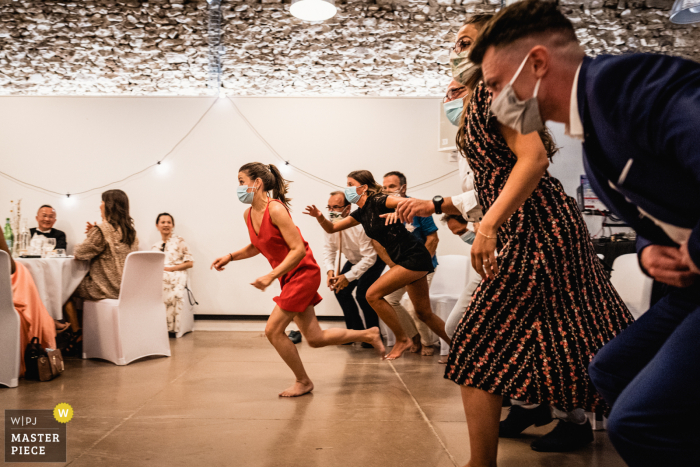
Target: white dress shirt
x,y
575,128
467,202
357,248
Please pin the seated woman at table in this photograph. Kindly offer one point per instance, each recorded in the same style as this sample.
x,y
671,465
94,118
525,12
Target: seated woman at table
x,y
106,247
177,261
34,320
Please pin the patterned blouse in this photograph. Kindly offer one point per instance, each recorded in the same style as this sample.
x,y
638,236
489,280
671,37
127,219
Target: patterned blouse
x,y
106,253
175,249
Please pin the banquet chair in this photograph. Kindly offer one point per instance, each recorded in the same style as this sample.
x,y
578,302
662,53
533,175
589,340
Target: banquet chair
x,y
450,279
133,326
9,327
632,284
187,315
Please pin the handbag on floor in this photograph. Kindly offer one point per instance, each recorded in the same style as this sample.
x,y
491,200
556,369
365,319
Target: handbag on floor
x,y
42,364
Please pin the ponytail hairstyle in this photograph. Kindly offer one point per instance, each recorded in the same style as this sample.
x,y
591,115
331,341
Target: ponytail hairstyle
x,y
272,180
117,214
479,21
365,177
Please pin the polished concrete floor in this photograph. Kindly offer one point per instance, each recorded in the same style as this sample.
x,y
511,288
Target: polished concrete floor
x,y
214,403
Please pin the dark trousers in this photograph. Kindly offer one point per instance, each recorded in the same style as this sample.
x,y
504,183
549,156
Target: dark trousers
x,y
650,375
353,320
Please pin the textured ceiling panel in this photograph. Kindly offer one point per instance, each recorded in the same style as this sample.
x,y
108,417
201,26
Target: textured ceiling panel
x,y
373,48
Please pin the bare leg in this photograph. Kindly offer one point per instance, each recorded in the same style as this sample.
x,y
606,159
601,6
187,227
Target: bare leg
x,y
420,297
317,337
72,316
274,331
483,412
396,278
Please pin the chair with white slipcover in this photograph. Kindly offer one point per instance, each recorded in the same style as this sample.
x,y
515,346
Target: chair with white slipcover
x,y
187,313
632,284
133,326
9,327
448,283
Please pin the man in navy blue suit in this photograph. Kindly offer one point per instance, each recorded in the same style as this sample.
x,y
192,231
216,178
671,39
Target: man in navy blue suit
x,y
638,117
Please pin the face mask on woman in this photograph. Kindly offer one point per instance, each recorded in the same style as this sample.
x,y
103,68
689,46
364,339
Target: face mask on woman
x,y
351,194
453,110
244,196
522,116
335,216
468,237
462,68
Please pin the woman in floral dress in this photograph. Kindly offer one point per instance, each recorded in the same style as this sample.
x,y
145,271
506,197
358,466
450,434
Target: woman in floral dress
x,y
177,261
545,305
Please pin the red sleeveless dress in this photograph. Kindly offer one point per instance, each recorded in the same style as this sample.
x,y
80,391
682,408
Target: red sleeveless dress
x,y
300,285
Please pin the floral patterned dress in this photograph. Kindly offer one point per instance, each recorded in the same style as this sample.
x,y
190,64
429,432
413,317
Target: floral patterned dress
x,y
174,282
530,333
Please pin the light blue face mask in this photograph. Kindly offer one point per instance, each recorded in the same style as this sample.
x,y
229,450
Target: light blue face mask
x,y
468,237
453,110
243,195
351,194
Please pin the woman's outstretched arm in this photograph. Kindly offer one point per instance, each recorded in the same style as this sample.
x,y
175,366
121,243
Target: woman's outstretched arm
x,y
327,225
246,252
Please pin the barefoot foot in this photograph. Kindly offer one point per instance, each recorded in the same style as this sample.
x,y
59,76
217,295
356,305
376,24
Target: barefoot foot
x,y
427,351
297,389
399,349
375,340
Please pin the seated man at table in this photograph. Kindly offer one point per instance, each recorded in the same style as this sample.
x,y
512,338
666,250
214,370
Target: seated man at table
x,y
45,219
34,319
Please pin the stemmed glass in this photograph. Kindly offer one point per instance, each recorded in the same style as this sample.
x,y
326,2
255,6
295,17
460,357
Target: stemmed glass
x,y
49,245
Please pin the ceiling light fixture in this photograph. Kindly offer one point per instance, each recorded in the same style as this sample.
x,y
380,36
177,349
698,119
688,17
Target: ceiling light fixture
x,y
685,12
313,10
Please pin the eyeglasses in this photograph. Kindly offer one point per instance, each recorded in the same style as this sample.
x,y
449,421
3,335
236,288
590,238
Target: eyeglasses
x,y
453,93
335,208
462,45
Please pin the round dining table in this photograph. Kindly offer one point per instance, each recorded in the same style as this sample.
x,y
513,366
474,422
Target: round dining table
x,y
56,279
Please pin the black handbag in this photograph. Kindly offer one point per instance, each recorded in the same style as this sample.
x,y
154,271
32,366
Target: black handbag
x,y
32,354
42,364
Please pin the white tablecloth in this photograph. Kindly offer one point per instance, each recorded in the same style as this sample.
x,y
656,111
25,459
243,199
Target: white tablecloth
x,y
56,279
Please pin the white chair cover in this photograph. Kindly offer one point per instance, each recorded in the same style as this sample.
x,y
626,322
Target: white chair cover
x,y
632,284
187,316
134,326
450,280
10,352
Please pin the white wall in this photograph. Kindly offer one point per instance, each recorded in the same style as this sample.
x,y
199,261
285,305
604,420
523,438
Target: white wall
x,y
71,144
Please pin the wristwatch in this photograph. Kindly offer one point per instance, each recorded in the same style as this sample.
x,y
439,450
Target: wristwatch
x,y
437,202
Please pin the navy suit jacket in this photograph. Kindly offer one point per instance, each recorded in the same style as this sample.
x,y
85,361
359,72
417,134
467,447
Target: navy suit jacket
x,y
641,121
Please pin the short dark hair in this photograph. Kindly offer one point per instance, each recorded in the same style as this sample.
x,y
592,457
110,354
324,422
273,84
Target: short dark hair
x,y
399,175
457,217
45,206
165,214
341,193
522,19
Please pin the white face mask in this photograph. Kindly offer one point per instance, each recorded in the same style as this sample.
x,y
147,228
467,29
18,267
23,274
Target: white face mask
x,y
462,68
522,116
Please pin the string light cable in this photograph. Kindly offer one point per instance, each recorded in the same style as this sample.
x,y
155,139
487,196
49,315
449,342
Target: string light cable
x,y
252,128
317,178
157,163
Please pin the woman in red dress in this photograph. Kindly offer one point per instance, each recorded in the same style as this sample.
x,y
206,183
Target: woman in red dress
x,y
273,233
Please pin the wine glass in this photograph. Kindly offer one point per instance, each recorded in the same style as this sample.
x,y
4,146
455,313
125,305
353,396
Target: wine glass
x,y
48,246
